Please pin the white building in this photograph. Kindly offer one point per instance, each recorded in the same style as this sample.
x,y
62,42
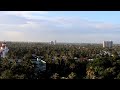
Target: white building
x,y
3,50
107,44
55,42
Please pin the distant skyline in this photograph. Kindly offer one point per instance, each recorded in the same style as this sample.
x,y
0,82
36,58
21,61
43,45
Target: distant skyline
x,y
63,26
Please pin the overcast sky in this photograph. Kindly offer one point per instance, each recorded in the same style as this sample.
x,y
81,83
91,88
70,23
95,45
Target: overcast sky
x,y
63,26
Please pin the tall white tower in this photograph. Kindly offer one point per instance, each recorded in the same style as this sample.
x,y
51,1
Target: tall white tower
x,y
55,42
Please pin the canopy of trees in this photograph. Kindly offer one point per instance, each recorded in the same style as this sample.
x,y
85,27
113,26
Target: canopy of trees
x,y
64,61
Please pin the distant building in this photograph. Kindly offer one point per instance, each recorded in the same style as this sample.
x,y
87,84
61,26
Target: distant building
x,y
52,43
3,50
55,42
107,44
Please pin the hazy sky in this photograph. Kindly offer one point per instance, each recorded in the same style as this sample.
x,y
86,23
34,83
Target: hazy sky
x,y
63,26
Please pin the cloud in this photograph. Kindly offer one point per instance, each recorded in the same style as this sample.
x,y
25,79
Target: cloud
x,y
9,19
27,14
42,17
12,35
39,26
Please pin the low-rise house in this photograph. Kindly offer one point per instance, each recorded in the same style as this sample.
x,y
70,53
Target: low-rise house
x,y
90,59
40,64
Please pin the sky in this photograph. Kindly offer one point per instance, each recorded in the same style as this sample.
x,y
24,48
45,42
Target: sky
x,y
63,26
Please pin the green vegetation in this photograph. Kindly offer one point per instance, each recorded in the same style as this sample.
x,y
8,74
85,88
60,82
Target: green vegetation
x,y
63,61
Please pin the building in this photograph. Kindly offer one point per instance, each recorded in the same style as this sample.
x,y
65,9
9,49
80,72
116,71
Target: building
x,y
107,44
3,50
55,42
40,64
52,43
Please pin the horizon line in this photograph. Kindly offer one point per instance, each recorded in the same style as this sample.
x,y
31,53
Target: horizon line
x,y
57,42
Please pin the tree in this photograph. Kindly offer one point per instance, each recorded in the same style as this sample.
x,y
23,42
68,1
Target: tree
x,y
28,68
22,76
118,76
7,74
55,76
90,73
72,75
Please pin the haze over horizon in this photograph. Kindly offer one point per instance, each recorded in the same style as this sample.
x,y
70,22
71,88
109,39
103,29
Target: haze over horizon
x,y
63,26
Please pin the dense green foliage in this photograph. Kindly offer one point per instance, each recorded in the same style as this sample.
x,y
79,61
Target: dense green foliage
x,y
64,61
